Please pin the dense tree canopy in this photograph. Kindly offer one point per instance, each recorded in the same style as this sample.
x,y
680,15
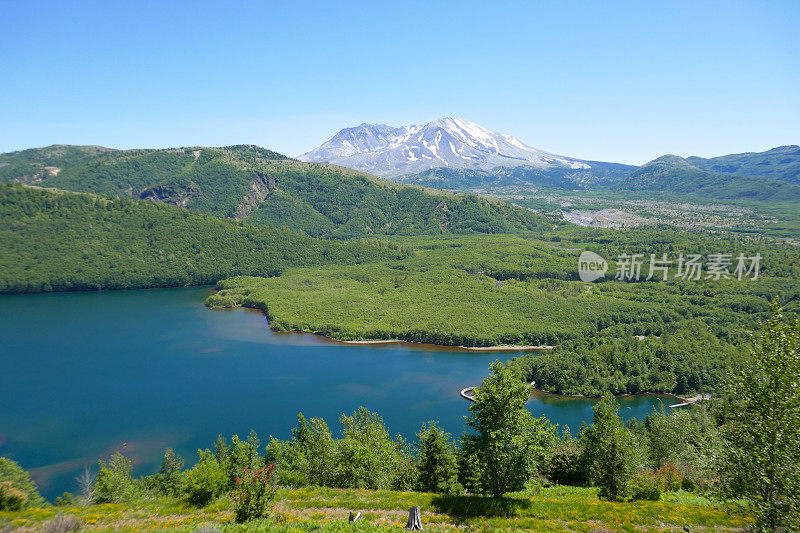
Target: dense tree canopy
x,y
63,241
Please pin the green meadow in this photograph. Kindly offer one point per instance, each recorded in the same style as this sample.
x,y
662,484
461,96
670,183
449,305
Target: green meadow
x,y
550,509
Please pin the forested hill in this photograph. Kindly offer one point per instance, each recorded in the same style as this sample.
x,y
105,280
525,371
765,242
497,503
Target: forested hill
x,y
780,163
58,241
261,187
674,174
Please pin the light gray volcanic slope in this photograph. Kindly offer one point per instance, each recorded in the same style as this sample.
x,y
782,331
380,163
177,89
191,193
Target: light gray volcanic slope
x,y
453,143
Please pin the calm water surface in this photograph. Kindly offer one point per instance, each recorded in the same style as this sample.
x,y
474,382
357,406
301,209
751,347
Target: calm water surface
x,y
85,374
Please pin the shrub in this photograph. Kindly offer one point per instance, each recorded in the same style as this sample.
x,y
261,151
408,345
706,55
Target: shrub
x,y
62,523
367,454
646,485
13,481
205,481
207,528
66,499
670,477
252,494
86,483
237,456
316,451
404,473
567,463
309,458
291,468
113,483
693,479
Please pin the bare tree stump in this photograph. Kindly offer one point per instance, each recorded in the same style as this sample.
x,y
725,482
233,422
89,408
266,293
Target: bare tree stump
x,y
354,517
414,519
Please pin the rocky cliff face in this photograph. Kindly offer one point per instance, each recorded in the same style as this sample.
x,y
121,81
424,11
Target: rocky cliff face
x,y
260,187
170,194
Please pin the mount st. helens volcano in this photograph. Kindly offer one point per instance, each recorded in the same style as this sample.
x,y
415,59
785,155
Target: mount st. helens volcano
x,y
454,153
453,143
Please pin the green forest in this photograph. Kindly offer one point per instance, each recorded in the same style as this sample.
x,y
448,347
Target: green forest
x,y
56,241
675,336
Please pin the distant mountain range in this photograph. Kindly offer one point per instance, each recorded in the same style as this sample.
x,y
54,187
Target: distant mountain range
x,y
454,153
261,187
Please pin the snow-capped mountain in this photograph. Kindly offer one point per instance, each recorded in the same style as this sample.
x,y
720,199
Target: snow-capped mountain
x,y
453,143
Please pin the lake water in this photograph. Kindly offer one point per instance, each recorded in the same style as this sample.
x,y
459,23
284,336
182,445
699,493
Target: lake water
x,y
85,374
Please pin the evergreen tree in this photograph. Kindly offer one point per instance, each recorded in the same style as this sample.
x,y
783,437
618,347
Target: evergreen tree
x,y
610,452
438,468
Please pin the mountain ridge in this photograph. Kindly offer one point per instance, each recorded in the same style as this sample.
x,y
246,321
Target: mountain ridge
x,y
257,186
675,174
781,163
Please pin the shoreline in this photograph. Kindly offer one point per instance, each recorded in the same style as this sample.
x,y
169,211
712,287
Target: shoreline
x,y
508,348
412,344
467,394
498,348
464,393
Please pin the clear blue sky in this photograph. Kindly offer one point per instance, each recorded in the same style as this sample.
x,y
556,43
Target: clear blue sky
x,y
614,81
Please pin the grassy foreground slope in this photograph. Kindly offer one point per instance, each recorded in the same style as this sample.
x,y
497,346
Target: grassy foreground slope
x,y
263,187
552,509
57,241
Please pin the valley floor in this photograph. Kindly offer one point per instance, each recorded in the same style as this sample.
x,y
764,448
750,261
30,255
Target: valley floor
x,y
557,509
607,209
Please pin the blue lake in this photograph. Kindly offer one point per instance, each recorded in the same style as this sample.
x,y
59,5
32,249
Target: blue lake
x,y
85,374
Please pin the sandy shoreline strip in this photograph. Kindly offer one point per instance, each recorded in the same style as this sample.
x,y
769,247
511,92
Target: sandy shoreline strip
x,y
499,348
506,348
